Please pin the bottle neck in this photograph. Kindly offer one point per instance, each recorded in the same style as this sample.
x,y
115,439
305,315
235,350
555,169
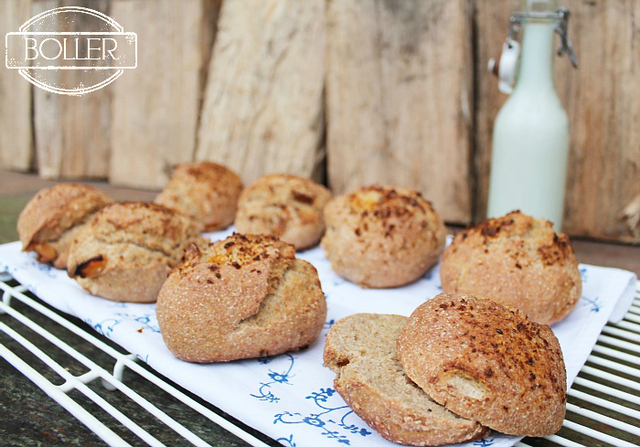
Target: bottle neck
x,y
536,64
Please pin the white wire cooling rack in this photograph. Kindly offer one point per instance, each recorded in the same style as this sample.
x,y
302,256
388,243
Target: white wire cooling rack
x,y
603,407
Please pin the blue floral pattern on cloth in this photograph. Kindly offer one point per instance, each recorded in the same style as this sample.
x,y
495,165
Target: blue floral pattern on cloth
x,y
277,378
47,269
484,442
107,326
287,441
595,303
584,275
104,327
148,321
331,420
289,397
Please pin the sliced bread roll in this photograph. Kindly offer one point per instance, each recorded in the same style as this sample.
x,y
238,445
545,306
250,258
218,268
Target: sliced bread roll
x,y
486,362
361,350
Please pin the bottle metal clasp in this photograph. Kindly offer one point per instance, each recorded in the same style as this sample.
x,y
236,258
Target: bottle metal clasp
x,y
561,17
506,66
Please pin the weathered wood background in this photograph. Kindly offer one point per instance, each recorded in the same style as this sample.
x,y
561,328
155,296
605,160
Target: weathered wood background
x,y
349,92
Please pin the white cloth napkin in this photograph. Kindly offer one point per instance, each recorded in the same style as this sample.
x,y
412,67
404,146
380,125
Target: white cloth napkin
x,y
290,397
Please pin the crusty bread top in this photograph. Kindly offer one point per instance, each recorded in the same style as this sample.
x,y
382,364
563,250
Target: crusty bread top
x,y
212,174
518,261
386,202
245,296
204,190
255,263
382,236
52,211
361,350
486,362
286,189
127,250
239,250
144,224
384,210
286,206
535,236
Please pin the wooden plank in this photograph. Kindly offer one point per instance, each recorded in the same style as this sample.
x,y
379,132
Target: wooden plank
x,y
263,109
601,99
156,106
399,98
16,142
72,132
491,25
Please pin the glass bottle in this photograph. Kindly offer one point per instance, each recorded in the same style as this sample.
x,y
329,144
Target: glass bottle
x,y
531,132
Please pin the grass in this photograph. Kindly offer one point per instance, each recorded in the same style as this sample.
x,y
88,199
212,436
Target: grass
x,y
10,208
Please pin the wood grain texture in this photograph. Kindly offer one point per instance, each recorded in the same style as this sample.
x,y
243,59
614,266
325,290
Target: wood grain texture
x,y
601,99
16,142
263,109
491,19
399,91
72,132
156,106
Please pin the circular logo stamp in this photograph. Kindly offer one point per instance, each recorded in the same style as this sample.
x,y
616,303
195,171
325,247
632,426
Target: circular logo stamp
x,y
71,50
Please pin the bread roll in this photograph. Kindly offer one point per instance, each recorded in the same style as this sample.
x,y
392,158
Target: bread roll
x,y
518,261
127,250
54,216
285,206
204,190
382,236
486,363
361,350
242,297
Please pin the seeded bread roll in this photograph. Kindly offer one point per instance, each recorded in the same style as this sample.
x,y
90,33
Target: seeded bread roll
x,y
285,206
487,363
518,261
382,236
242,297
361,350
54,216
127,250
204,190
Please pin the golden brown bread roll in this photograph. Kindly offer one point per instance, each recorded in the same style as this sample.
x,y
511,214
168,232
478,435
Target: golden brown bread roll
x,y
204,190
286,206
518,261
242,297
486,363
127,250
54,216
361,350
382,236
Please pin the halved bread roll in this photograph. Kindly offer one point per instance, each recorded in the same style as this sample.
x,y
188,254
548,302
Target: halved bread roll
x,y
361,350
486,362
